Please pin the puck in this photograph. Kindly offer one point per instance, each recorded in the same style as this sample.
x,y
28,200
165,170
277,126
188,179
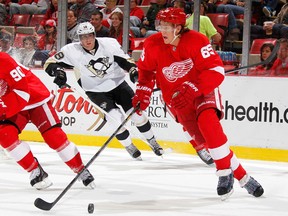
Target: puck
x,y
90,208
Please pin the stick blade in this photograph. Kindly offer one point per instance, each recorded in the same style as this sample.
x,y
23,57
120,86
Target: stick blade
x,y
42,204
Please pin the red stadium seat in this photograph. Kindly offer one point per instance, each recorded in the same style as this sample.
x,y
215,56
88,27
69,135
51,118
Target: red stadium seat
x,y
240,17
18,40
257,43
20,20
220,22
36,20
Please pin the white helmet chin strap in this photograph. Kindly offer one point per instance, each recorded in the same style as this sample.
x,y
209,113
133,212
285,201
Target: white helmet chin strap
x,y
175,37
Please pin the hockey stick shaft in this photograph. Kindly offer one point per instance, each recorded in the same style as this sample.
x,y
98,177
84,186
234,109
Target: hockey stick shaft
x,y
43,205
268,60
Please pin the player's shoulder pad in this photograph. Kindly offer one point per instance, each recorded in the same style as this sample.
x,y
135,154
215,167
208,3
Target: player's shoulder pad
x,y
108,40
153,40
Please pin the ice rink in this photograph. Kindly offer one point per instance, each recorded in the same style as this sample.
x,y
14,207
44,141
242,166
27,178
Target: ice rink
x,y
175,185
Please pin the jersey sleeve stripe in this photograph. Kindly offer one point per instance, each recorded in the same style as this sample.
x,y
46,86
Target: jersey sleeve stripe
x,y
218,69
24,95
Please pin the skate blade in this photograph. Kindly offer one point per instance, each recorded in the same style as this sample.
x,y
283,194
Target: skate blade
x,y
43,184
92,185
226,196
166,151
211,165
138,158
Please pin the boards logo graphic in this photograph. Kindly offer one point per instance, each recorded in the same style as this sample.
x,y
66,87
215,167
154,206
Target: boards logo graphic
x,y
66,102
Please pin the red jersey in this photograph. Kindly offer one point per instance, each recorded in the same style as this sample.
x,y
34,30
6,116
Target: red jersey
x,y
25,90
279,68
138,12
192,60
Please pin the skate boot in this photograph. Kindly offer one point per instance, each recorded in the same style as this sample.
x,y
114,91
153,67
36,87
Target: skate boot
x,y
156,148
133,151
205,157
87,178
251,185
39,178
225,183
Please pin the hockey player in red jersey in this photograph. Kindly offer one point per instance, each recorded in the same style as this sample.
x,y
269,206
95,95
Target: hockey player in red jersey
x,y
189,72
24,98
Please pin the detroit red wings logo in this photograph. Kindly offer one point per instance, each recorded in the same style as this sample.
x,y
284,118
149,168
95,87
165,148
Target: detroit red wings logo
x,y
177,70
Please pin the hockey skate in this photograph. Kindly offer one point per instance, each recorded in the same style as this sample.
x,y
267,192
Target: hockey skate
x,y
225,183
156,148
251,185
39,178
87,178
133,151
205,157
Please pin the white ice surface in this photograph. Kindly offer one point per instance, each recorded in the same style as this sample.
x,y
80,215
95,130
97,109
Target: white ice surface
x,y
175,185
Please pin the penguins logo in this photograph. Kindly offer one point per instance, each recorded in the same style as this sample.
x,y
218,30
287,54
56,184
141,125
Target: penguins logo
x,y
99,67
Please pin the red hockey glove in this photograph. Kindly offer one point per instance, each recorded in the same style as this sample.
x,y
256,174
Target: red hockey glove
x,y
142,96
185,95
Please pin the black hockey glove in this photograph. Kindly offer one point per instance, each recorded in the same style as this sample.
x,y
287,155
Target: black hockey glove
x,y
60,77
133,74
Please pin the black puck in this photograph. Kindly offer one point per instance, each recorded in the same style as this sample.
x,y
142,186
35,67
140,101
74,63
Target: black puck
x,y
91,208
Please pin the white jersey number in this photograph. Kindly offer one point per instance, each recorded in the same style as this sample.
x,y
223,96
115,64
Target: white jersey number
x,y
17,74
207,51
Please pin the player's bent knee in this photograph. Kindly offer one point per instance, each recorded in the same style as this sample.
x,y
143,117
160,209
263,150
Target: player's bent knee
x,y
114,119
139,120
55,137
8,135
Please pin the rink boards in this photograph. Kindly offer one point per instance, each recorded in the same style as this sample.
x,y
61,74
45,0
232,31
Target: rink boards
x,y
256,118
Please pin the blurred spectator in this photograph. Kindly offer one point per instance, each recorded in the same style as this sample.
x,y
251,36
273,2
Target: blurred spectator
x,y
136,14
48,41
147,27
265,52
72,26
280,66
96,21
99,3
6,41
206,27
70,3
4,5
116,28
185,6
211,6
278,28
28,7
111,6
25,54
51,13
233,9
269,7
84,9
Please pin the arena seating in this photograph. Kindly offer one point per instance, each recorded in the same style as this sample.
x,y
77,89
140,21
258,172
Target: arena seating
x,y
257,43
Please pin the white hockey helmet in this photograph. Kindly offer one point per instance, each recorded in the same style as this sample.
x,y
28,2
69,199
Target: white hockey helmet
x,y
85,28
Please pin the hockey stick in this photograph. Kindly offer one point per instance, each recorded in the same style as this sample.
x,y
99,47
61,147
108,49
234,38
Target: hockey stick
x,y
43,205
268,60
